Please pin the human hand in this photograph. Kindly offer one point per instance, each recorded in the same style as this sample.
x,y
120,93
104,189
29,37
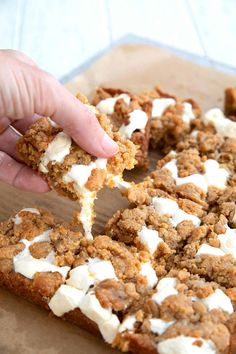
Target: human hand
x,y
27,91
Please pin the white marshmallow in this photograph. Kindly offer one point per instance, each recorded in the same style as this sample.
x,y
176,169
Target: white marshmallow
x,y
137,121
127,324
31,210
86,212
107,322
165,288
227,245
188,114
217,300
101,269
86,275
159,326
79,174
150,274
224,126
28,266
92,308
18,220
109,329
107,105
149,238
205,249
214,175
56,151
65,299
228,241
170,207
117,181
80,278
159,105
185,345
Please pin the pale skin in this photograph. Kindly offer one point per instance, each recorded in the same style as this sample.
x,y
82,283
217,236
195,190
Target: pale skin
x,y
27,92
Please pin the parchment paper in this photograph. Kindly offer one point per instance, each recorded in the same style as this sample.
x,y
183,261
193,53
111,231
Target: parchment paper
x,y
27,329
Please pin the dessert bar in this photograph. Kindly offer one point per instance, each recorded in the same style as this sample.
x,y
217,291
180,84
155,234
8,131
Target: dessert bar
x,y
128,117
70,170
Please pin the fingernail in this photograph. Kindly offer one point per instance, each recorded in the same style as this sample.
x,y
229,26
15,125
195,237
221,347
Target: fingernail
x,y
109,146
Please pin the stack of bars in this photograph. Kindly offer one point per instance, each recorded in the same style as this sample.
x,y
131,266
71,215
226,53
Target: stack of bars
x,y
162,277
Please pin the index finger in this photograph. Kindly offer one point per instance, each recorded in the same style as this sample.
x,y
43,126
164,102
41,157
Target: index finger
x,y
76,119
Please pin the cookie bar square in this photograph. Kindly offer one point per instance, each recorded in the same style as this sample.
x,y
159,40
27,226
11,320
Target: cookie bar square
x,y
171,117
128,117
70,170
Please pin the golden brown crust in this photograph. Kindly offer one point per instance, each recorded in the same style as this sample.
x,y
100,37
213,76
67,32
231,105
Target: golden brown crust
x,y
136,343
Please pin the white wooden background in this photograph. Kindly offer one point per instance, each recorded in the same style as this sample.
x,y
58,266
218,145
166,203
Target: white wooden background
x,y
61,35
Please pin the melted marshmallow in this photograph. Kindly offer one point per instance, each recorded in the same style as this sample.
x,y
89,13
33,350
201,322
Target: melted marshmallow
x,y
224,126
65,299
150,274
52,123
185,345
149,238
79,174
117,181
28,266
18,220
56,151
127,324
86,275
107,105
137,121
188,114
159,105
214,175
170,207
159,326
217,300
228,241
227,245
86,212
165,288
